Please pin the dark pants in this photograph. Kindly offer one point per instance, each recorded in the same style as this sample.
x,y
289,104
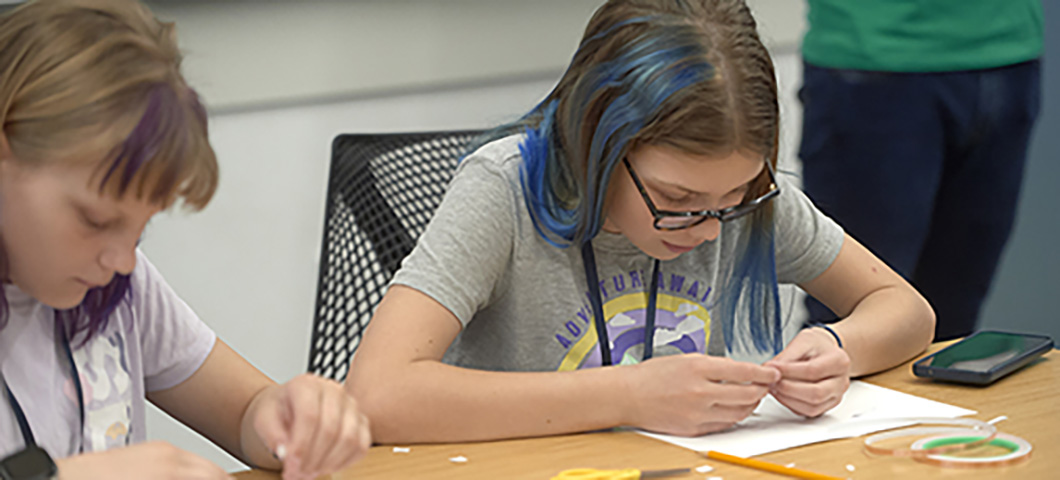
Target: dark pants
x,y
924,170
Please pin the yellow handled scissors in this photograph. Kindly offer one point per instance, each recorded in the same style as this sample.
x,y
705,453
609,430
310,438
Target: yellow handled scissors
x,y
625,474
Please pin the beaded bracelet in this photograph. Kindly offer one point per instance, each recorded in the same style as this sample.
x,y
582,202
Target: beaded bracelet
x,y
829,329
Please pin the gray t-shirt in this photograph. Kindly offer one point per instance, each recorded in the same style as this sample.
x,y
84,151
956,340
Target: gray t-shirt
x,y
153,342
524,303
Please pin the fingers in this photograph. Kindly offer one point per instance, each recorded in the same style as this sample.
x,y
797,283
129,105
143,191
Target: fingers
x,y
720,407
815,372
178,463
711,427
327,432
808,409
686,429
726,370
811,399
735,395
305,407
807,344
272,428
795,351
813,393
832,364
364,436
198,468
351,444
812,356
730,414
329,426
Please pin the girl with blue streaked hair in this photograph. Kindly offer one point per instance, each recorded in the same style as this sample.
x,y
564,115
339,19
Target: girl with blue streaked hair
x,y
594,263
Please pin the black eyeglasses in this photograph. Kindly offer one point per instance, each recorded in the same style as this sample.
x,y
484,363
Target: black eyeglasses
x,y
667,220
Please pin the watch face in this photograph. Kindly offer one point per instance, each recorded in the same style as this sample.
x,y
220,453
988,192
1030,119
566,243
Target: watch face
x,y
30,464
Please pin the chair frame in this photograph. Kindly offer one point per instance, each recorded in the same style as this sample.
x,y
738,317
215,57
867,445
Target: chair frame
x,y
381,226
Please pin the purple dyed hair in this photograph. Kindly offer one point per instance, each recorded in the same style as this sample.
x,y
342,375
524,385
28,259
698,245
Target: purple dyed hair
x,y
102,76
158,141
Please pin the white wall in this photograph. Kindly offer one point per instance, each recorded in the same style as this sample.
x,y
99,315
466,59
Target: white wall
x,y
251,54
248,263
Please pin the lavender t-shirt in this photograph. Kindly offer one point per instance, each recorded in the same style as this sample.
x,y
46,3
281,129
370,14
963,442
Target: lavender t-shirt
x,y
153,342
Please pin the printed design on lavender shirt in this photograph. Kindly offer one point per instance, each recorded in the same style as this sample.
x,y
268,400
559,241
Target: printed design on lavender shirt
x,y
107,389
682,322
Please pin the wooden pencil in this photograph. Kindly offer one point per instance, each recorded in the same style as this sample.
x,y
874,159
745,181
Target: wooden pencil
x,y
767,466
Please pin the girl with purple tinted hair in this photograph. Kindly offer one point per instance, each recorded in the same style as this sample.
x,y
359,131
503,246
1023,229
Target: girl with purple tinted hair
x,y
592,264
100,133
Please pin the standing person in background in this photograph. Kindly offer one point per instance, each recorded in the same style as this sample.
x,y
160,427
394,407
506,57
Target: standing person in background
x,y
916,120
99,133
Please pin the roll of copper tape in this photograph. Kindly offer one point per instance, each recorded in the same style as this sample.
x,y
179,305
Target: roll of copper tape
x,y
976,432
1018,450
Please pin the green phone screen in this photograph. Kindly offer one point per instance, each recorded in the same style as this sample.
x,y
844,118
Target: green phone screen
x,y
984,351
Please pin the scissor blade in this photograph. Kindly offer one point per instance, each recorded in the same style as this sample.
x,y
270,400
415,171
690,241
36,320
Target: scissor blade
x,y
663,473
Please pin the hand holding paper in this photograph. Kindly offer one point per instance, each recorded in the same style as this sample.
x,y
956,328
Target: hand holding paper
x,y
864,409
694,394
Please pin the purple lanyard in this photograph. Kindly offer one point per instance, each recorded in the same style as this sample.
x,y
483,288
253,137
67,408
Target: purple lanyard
x,y
600,323
20,416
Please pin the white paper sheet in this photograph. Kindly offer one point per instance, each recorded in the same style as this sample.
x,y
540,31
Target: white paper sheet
x,y
865,408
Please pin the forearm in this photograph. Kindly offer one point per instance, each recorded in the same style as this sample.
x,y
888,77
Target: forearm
x,y
218,400
428,401
888,327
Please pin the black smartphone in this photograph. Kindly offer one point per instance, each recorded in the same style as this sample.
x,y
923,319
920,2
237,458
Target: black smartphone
x,y
983,357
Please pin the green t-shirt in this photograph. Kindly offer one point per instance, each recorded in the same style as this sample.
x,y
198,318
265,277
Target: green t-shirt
x,y
922,35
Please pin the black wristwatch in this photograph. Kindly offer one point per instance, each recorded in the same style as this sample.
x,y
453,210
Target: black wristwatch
x,y
33,463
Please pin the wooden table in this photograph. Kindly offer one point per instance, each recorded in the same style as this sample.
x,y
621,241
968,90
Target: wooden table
x,y
1030,398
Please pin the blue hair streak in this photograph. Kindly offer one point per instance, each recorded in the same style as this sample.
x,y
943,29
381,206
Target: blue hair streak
x,y
645,75
753,294
644,79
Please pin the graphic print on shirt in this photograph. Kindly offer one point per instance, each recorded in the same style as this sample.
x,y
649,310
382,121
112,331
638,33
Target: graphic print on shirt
x,y
108,392
682,323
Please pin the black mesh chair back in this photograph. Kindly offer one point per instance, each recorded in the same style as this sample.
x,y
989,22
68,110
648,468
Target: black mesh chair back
x,y
382,191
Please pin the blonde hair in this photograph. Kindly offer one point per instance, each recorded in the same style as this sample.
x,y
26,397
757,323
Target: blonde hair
x,y
100,80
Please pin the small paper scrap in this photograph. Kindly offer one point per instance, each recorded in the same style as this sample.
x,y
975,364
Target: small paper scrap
x,y
850,468
402,449
705,469
998,419
790,465
458,459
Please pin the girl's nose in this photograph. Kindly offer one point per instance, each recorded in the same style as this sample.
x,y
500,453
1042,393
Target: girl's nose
x,y
120,259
